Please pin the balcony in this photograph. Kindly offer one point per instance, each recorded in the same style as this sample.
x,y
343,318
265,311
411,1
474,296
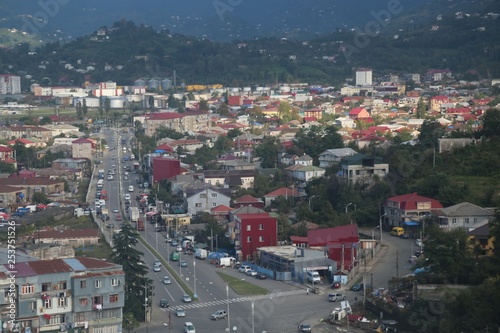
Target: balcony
x,y
97,307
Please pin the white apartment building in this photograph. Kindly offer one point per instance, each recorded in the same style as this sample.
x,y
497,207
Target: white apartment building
x,y
10,84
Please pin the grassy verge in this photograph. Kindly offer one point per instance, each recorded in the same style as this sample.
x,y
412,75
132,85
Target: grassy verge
x,y
172,272
242,287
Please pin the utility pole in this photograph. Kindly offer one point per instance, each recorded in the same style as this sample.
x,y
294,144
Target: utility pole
x,y
397,264
364,281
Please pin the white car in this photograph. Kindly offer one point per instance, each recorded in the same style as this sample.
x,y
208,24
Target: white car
x,y
244,268
189,327
251,273
127,196
156,269
418,242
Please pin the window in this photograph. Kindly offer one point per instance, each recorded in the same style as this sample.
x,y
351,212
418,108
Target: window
x,y
249,239
97,300
83,301
113,298
454,220
249,227
98,315
80,316
466,220
214,204
475,220
203,196
56,320
28,289
47,303
61,285
32,305
83,284
46,286
214,195
98,283
261,239
197,205
61,302
115,282
261,227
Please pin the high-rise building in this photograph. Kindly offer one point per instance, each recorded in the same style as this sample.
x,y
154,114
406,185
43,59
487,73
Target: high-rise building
x,y
10,84
364,77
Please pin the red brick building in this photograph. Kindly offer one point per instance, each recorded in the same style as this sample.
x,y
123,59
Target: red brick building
x,y
252,231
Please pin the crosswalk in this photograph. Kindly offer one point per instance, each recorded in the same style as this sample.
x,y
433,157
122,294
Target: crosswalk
x,y
241,299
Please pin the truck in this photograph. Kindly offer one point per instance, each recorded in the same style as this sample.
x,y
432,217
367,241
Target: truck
x,y
78,212
100,184
200,254
133,214
100,174
104,214
104,195
140,225
226,261
21,211
175,256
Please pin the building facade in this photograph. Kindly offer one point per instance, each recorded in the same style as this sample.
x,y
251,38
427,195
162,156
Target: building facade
x,y
253,231
364,77
10,84
362,168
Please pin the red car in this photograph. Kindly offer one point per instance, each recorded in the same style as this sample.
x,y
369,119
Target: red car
x,y
335,285
118,217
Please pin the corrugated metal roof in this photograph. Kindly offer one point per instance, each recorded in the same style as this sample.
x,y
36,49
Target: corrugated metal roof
x,y
92,263
23,269
49,266
75,264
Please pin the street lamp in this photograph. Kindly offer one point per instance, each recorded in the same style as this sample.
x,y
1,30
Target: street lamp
x,y
227,301
347,206
253,318
310,202
380,226
194,277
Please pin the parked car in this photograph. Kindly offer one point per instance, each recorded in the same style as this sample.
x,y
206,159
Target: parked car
x,y
261,276
418,242
220,314
180,312
244,268
419,253
357,287
305,328
251,273
404,236
164,303
110,226
186,298
335,285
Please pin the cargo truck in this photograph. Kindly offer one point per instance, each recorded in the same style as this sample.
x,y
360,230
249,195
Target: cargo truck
x,y
140,225
133,214
226,262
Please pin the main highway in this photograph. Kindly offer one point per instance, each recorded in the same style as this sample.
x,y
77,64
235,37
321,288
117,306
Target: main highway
x,y
281,310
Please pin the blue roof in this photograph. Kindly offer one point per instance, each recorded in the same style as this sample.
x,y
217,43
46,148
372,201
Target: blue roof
x,y
411,223
75,264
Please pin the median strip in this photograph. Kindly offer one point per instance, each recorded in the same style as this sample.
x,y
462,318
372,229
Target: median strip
x,y
242,287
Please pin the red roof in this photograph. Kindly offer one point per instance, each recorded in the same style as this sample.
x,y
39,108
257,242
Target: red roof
x,y
344,234
4,149
163,116
221,209
309,119
283,192
439,98
411,200
247,198
49,266
356,111
165,147
82,140
20,140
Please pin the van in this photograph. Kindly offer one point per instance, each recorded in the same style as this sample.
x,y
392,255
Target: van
x,y
334,297
397,231
313,277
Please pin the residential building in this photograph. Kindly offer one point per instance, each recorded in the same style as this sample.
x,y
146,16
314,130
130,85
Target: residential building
x,y
288,193
307,173
83,295
7,155
482,243
28,186
253,230
359,114
206,197
408,207
190,121
248,200
464,215
41,133
10,84
236,164
10,195
436,102
229,178
164,168
304,160
364,77
362,168
333,156
82,148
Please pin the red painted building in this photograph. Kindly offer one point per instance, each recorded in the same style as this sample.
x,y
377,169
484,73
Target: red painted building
x,y
165,168
253,231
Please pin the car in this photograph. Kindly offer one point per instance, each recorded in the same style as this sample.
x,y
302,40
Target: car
x,y
220,314
125,178
183,263
174,243
244,269
404,236
418,242
357,287
157,263
261,276
186,298
419,253
179,249
335,285
164,303
115,210
251,273
304,328
166,280
334,297
118,217
180,312
168,240
189,327
157,269
110,226
127,196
